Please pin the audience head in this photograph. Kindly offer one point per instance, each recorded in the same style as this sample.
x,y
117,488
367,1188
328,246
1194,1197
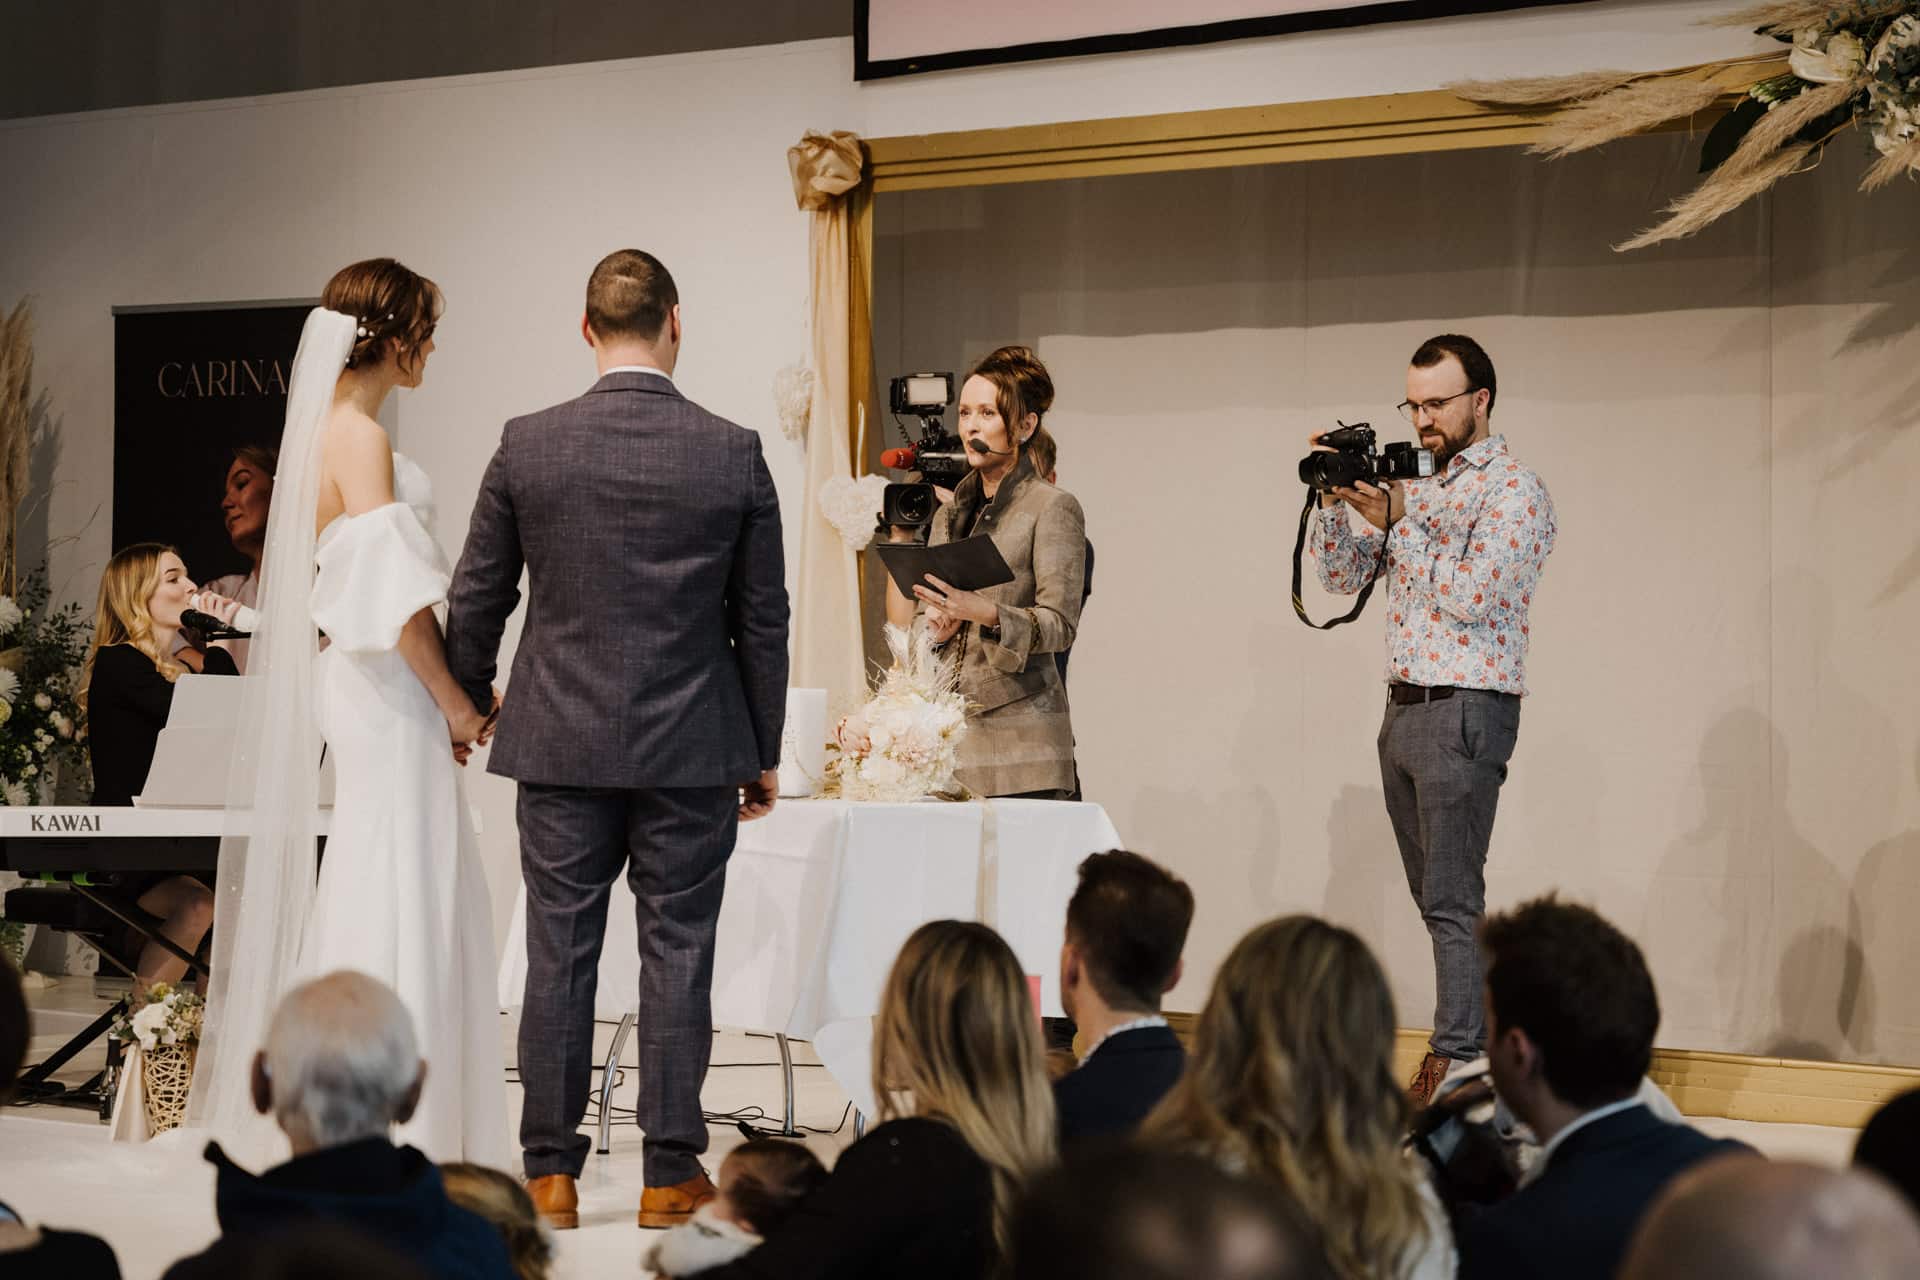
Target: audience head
x,y
957,1039
501,1200
633,306
1571,1011
1744,1218
143,590
396,309
14,1027
1890,1145
319,1249
763,1181
249,494
1291,1078
341,1062
1453,373
1126,925
1135,1214
1003,401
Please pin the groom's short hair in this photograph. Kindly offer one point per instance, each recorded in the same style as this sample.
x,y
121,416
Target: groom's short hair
x,y
630,295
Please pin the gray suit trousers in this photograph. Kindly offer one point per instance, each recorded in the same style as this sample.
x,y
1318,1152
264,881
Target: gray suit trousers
x,y
1441,764
673,845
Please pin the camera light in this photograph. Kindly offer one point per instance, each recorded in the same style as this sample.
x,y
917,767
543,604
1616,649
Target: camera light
x,y
934,390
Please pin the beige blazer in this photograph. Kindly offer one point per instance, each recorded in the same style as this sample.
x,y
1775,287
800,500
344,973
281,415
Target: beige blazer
x,y
1020,736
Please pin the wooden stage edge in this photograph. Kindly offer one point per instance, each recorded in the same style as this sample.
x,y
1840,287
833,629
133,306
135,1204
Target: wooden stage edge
x,y
1728,1085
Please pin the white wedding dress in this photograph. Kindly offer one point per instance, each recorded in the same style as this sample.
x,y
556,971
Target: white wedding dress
x,y
401,895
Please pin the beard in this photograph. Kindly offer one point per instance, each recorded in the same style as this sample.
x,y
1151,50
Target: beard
x,y
1453,440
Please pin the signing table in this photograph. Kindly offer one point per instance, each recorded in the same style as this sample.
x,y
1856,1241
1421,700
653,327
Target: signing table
x,y
821,893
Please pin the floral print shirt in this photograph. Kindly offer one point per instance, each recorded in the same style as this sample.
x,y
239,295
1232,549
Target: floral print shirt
x,y
1462,565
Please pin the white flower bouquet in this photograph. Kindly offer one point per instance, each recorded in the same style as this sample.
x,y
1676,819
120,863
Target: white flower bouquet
x,y
904,744
170,1016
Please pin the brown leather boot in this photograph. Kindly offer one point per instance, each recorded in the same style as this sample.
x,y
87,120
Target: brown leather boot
x,y
556,1199
1433,1069
671,1206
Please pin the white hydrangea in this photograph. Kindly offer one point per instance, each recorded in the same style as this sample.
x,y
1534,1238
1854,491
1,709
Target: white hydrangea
x,y
10,614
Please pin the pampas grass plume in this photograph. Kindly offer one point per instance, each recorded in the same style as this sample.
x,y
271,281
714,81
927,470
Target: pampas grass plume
x,y
1632,109
1719,195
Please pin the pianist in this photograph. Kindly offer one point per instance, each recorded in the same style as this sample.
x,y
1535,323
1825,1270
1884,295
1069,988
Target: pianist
x,y
127,689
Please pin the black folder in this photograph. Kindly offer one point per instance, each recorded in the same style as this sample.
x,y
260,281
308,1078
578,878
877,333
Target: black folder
x,y
971,564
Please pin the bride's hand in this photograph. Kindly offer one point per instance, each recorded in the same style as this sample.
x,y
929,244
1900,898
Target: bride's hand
x,y
464,729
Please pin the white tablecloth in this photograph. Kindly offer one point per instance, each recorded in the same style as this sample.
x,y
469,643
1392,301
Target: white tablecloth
x,y
821,893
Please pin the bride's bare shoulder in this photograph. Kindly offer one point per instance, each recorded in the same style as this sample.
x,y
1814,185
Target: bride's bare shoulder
x,y
350,427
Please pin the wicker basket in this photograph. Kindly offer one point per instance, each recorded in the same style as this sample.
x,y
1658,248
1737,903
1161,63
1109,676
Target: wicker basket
x,y
166,1071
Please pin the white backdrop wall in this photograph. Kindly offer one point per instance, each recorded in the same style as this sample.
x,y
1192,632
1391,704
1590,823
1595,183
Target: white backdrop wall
x,y
507,187
1720,750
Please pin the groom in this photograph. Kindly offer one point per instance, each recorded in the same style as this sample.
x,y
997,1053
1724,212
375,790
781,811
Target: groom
x,y
643,717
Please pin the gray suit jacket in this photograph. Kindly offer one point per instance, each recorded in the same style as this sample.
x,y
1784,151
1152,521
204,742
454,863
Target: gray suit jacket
x,y
655,647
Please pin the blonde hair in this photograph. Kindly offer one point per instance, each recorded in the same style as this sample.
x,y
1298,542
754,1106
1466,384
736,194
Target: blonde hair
x,y
121,616
957,1040
503,1202
1292,1078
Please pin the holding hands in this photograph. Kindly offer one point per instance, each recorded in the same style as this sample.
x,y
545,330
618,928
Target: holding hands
x,y
467,728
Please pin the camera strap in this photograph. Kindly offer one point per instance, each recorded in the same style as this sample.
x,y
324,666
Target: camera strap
x,y
1300,545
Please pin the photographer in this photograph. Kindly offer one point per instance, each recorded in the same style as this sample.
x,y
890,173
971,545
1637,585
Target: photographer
x,y
1464,553
1003,639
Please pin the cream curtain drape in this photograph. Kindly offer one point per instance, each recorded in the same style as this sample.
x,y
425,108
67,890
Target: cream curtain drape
x,y
828,171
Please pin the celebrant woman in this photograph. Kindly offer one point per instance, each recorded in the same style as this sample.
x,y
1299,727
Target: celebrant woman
x,y
1019,742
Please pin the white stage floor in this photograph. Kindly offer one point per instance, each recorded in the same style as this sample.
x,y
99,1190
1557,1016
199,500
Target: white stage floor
x,y
57,1167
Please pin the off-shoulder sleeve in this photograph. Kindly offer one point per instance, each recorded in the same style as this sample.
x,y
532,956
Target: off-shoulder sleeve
x,y
374,571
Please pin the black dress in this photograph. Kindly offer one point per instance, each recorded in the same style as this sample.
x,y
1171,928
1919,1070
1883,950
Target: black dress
x,y
127,704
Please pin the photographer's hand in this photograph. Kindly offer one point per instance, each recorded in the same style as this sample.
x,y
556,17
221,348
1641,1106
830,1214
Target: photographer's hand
x,y
1313,442
1382,507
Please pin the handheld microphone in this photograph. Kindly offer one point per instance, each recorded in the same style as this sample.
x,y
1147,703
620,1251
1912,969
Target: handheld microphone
x,y
245,620
978,445
899,459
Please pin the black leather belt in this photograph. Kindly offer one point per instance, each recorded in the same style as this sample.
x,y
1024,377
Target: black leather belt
x,y
1408,694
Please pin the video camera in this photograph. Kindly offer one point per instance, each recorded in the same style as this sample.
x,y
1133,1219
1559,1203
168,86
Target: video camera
x,y
1354,459
932,450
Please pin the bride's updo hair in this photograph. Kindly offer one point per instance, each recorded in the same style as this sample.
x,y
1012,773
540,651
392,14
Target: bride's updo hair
x,y
1023,387
390,303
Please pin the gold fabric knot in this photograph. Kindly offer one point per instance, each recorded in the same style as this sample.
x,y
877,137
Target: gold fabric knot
x,y
825,166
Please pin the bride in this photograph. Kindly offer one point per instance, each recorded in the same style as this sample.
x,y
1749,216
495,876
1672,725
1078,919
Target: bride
x,y
400,894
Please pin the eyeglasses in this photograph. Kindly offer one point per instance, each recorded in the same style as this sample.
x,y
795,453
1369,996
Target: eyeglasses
x,y
1410,409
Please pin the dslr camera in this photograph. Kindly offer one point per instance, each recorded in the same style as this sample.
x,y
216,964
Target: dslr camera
x,y
1355,459
932,450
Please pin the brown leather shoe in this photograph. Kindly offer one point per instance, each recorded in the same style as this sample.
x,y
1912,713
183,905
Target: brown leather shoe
x,y
556,1199
1433,1069
671,1206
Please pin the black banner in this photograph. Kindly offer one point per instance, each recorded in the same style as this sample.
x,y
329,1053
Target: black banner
x,y
190,385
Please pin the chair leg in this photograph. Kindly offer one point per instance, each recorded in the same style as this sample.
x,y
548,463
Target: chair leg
x,y
620,1035
786,1074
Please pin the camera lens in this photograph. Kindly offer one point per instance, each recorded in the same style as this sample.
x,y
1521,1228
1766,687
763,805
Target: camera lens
x,y
917,505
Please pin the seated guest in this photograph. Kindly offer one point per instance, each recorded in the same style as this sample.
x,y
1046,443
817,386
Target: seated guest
x,y
316,1250
339,1070
760,1185
126,690
1890,1145
1136,1214
1292,1080
502,1200
967,1118
1571,1013
1126,924
1744,1218
28,1252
